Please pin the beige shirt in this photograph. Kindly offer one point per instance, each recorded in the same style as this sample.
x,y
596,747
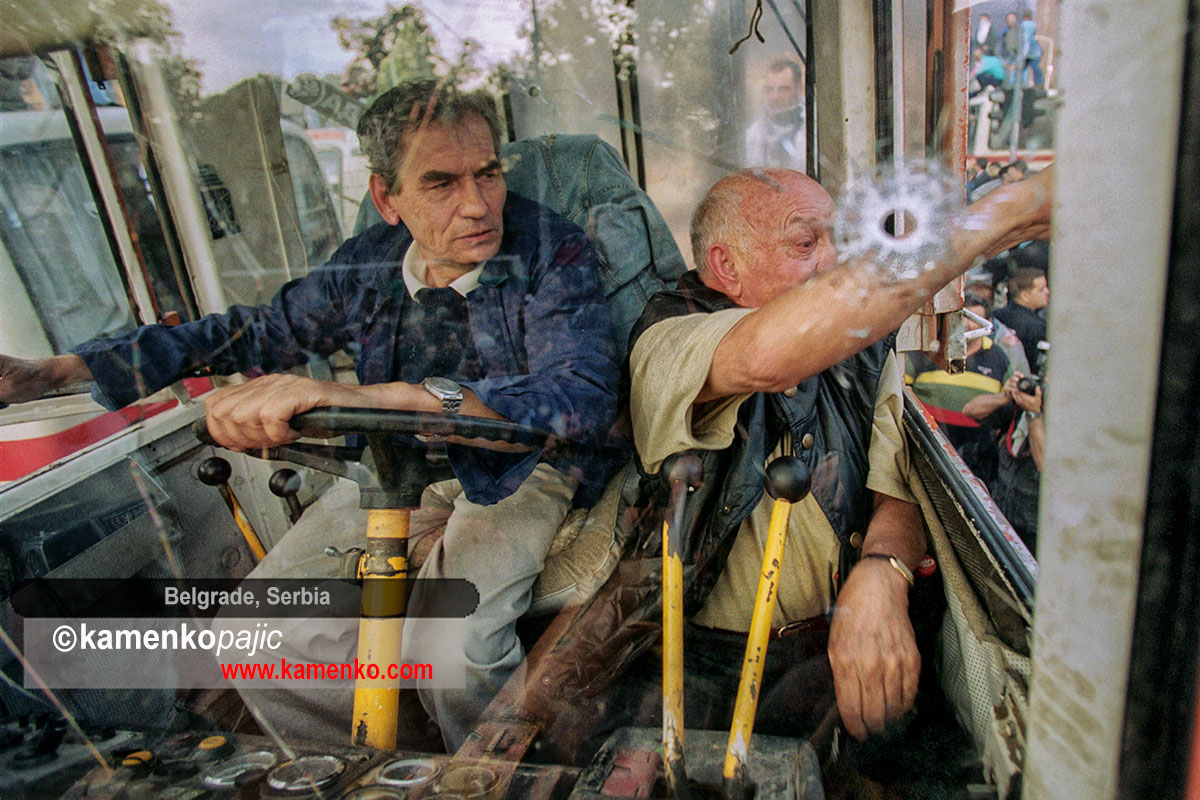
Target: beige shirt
x,y
669,365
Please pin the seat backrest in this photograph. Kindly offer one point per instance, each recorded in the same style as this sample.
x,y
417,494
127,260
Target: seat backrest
x,y
583,178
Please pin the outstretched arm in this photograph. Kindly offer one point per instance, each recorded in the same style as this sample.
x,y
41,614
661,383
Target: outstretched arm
x,y
832,316
22,380
983,406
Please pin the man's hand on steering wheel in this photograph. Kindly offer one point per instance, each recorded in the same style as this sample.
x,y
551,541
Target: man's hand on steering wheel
x,y
257,413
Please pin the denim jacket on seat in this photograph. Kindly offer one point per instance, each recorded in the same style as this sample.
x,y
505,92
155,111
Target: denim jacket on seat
x,y
585,180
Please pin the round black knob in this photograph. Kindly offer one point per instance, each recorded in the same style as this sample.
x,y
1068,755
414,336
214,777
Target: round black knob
x,y
788,479
214,471
285,483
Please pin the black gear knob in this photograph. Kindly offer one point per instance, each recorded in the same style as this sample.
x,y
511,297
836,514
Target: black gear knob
x,y
214,471
788,479
285,483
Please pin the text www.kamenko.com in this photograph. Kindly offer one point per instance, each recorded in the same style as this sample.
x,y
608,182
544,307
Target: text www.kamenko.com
x,y
286,670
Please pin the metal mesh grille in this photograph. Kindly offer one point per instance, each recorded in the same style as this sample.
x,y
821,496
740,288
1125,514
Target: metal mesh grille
x,y
1003,615
981,674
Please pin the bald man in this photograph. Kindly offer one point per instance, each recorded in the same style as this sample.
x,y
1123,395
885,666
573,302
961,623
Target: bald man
x,y
770,347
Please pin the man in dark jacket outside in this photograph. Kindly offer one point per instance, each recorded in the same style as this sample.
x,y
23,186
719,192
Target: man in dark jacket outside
x,y
1028,293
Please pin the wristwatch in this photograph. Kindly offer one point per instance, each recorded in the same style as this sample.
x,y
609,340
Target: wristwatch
x,y
446,390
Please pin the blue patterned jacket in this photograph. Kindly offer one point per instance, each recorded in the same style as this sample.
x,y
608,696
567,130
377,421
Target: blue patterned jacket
x,y
538,319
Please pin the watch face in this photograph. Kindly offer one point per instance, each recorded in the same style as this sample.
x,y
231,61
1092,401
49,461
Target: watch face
x,y
443,386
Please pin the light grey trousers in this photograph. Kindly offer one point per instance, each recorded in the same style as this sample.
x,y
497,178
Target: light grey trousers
x,y
500,548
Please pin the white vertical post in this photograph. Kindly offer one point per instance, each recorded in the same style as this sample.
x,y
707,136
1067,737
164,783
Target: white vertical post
x,y
179,177
1120,66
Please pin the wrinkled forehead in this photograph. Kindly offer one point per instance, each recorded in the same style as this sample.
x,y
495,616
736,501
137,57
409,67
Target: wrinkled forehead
x,y
466,138
783,196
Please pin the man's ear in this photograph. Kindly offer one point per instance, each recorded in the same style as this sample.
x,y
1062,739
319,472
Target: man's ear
x,y
385,202
723,270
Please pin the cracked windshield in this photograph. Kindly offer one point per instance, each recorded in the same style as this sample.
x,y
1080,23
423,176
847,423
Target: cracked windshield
x,y
510,399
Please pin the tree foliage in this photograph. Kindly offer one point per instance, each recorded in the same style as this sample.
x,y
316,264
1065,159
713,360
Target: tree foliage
x,y
153,20
393,47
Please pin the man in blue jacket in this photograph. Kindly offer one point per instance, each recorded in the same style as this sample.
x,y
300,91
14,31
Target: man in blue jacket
x,y
466,300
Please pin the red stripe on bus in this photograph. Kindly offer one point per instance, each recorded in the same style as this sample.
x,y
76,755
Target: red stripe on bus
x,y
21,457
948,417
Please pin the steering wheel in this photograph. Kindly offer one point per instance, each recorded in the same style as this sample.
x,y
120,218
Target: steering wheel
x,y
369,421
391,474
330,421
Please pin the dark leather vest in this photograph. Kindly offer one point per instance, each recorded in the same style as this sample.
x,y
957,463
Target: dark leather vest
x,y
832,412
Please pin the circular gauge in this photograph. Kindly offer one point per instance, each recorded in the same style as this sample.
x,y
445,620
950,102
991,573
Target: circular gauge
x,y
408,772
239,771
466,782
306,773
374,793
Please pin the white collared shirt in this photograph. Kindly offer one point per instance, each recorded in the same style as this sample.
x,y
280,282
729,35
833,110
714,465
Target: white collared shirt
x,y
414,270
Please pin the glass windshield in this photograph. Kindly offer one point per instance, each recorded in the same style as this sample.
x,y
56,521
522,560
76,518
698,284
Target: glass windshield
x,y
232,139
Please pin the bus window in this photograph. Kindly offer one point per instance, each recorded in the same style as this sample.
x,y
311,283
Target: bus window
x,y
564,82
707,112
167,283
318,218
55,249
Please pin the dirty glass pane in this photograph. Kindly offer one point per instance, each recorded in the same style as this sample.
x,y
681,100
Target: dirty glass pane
x,y
265,97
319,224
706,111
57,267
564,81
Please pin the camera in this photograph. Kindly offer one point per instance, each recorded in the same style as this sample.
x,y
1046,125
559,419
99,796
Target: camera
x,y
1030,383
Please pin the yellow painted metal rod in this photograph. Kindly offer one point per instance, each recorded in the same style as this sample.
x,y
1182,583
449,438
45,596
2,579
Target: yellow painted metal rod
x,y
737,753
683,473
787,480
672,664
384,568
239,516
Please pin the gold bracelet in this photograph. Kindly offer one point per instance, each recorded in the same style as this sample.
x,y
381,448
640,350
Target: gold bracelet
x,y
897,564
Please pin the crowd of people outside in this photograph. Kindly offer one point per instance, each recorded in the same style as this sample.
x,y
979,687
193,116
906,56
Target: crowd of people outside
x,y
984,175
1007,56
992,411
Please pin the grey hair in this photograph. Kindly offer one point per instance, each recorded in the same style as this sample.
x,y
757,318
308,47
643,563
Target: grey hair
x,y
719,218
407,107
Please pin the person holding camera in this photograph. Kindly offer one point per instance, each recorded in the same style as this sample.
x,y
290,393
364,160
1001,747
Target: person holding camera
x,y
1022,451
